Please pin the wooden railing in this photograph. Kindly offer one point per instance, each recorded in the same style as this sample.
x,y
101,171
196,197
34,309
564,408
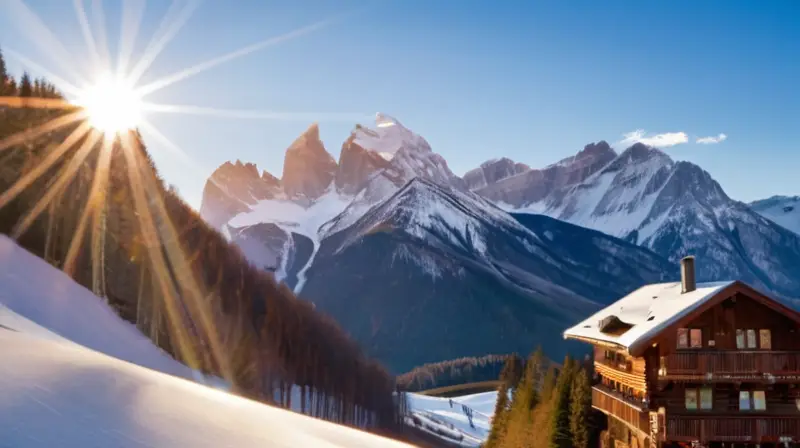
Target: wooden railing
x,y
754,429
731,363
614,404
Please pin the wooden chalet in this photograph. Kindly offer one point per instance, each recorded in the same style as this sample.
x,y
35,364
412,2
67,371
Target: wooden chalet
x,y
686,364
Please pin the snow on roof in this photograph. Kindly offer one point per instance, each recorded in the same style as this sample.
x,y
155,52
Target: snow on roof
x,y
648,310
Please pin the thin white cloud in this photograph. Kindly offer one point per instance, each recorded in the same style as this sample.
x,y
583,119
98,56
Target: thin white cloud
x,y
664,140
712,140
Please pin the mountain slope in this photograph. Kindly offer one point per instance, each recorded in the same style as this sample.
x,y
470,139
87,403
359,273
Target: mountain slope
x,y
433,263
782,210
57,394
678,209
533,185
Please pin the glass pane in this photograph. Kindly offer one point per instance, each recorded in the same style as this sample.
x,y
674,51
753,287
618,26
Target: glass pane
x,y
744,400
766,340
691,398
739,338
683,337
706,401
696,336
759,401
751,338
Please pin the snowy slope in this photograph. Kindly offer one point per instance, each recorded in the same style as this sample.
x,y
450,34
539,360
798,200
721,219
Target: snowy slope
x,y
437,413
41,300
74,379
57,394
782,210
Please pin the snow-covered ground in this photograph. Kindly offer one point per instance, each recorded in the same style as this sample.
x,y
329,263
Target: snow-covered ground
x,y
69,377
435,415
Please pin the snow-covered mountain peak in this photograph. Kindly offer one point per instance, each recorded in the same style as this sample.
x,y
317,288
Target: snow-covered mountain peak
x,y
783,210
388,137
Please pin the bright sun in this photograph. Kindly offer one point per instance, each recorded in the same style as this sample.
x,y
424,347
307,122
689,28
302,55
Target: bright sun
x,y
112,105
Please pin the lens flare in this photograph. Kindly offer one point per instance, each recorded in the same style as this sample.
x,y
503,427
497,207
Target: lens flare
x,y
112,105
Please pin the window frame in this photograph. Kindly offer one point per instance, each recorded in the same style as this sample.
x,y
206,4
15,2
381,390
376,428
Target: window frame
x,y
685,334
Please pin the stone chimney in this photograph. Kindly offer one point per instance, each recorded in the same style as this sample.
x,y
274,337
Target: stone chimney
x,y
688,282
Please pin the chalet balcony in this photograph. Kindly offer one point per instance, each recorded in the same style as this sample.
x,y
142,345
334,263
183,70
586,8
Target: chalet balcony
x,y
742,429
631,412
689,365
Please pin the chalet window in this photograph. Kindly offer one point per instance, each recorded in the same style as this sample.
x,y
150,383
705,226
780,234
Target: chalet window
x,y
690,338
759,400
691,398
696,338
740,339
699,398
744,400
765,339
683,337
751,338
752,400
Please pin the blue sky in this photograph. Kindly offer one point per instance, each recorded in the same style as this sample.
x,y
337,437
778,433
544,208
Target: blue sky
x,y
533,81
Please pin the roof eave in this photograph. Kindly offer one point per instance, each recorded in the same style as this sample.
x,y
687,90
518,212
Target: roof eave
x,y
593,341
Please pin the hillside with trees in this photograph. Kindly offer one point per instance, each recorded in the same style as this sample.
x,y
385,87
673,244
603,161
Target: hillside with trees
x,y
452,372
129,238
547,408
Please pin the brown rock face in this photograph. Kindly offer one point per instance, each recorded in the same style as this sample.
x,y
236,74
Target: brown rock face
x,y
356,165
308,169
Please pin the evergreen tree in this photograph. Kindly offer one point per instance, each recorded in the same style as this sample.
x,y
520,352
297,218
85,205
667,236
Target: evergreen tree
x,y
4,78
549,383
561,436
36,91
11,87
580,409
25,86
524,399
509,377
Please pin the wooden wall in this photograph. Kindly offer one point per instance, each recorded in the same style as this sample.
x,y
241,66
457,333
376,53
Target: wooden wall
x,y
740,312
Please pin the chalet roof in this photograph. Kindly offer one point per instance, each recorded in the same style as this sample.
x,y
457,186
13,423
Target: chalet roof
x,y
647,311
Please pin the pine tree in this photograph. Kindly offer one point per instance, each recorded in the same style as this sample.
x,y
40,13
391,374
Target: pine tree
x,y
580,409
25,86
4,78
561,436
524,399
549,383
509,377
11,87
37,88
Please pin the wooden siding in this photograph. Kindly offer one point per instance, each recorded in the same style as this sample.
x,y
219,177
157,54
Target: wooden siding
x,y
629,372
747,365
615,405
731,429
719,324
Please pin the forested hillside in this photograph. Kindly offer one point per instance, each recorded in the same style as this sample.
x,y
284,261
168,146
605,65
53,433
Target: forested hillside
x,y
129,238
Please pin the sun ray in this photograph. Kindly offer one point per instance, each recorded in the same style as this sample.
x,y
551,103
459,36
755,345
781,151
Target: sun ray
x,y
132,11
252,114
160,40
61,181
34,132
94,202
211,63
41,35
192,293
44,165
99,20
150,129
86,30
61,82
35,103
153,245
